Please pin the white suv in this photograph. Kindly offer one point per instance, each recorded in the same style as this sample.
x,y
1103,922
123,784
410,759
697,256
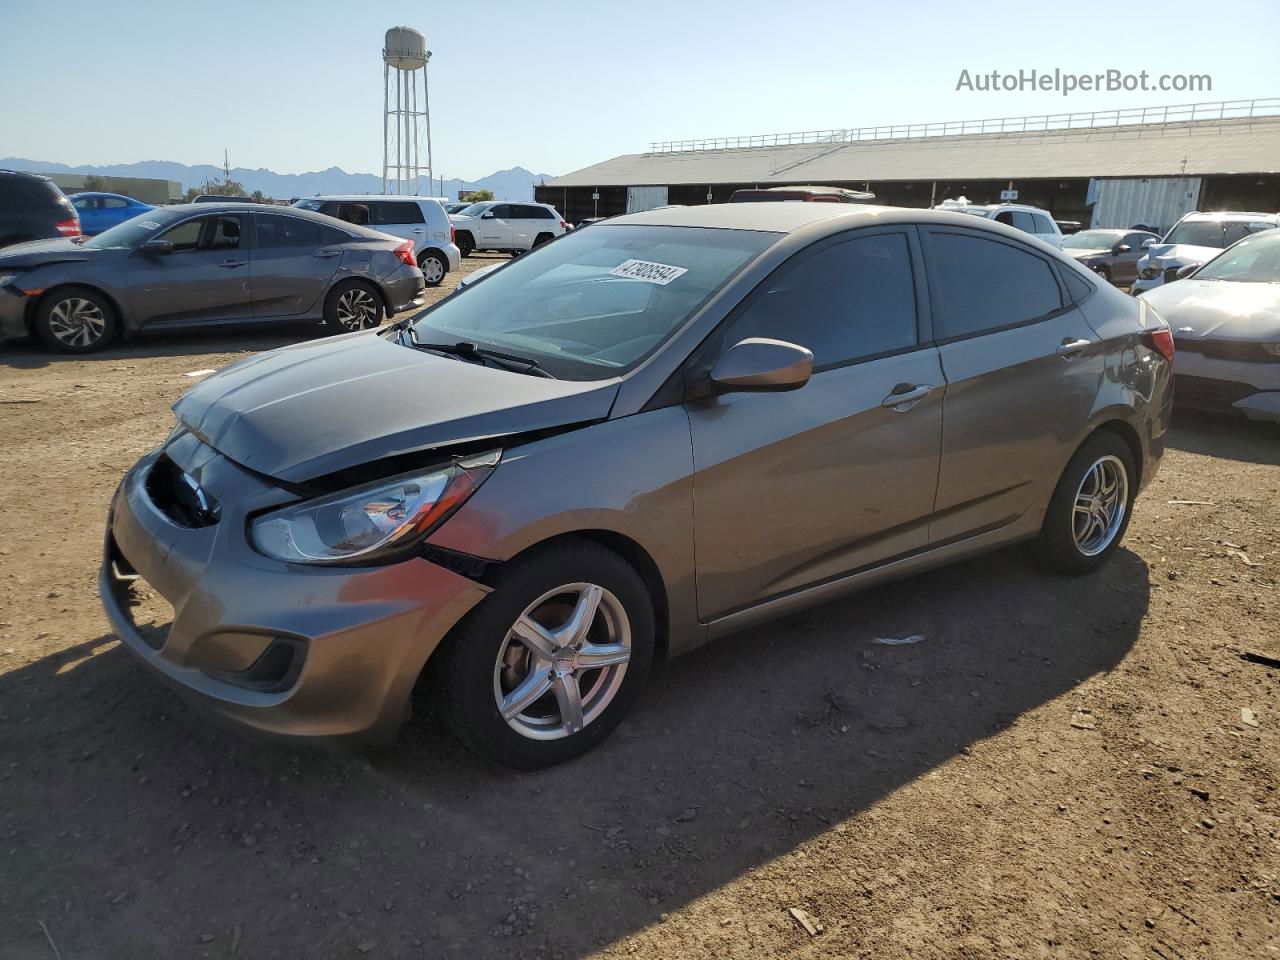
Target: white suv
x,y
1030,220
1195,239
420,219
507,226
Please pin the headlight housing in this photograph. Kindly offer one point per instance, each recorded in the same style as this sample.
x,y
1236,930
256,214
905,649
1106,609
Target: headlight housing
x,y
9,277
373,523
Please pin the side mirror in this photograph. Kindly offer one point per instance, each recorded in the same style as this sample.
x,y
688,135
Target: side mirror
x,y
157,248
1188,270
1149,242
761,364
1121,248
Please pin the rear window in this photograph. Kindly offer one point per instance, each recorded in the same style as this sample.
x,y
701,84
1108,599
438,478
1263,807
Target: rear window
x,y
29,194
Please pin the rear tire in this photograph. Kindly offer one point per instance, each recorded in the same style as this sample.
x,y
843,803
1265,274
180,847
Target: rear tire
x,y
353,305
466,246
540,239
433,267
1081,528
75,320
483,663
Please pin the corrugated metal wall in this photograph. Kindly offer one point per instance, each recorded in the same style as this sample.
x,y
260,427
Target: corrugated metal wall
x,y
645,198
1155,201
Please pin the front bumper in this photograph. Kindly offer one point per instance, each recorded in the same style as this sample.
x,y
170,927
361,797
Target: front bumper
x,y
284,649
13,314
1226,385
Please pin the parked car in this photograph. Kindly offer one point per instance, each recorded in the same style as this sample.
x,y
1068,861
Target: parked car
x,y
221,198
502,487
197,266
1111,254
420,219
1225,318
480,274
803,194
33,208
506,227
1194,239
457,206
1032,220
101,211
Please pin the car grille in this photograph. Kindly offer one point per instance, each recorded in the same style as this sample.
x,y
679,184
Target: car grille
x,y
1206,394
1244,351
179,497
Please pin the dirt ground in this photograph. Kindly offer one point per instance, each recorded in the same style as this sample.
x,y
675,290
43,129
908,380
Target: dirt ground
x,y
1062,768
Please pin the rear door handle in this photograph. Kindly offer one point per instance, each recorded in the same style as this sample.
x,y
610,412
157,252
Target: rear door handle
x,y
1069,348
233,263
906,395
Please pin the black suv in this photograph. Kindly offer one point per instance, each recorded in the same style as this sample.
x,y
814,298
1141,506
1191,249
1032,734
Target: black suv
x,y
33,208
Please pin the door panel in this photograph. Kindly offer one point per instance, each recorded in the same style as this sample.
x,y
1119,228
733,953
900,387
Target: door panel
x,y
290,265
495,231
205,278
791,489
1022,373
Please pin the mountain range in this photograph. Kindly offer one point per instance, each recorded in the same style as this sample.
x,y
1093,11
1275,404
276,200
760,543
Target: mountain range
x,y
514,184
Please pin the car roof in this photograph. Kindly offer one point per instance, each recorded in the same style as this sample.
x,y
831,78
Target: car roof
x,y
358,197
205,209
794,217
101,193
1230,215
24,173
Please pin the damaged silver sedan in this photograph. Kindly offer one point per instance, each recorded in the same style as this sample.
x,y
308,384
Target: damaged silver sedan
x,y
637,438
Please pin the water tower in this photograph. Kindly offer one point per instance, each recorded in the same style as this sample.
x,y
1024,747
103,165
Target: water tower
x,y
406,116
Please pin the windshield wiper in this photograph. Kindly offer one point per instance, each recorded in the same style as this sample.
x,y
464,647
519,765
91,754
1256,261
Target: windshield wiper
x,y
478,354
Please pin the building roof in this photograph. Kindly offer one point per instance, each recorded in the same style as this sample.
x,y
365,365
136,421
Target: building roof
x,y
1247,145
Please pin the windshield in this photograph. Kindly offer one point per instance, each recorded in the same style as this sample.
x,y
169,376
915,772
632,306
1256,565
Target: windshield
x,y
1214,233
313,205
130,233
1253,260
474,210
1092,239
594,304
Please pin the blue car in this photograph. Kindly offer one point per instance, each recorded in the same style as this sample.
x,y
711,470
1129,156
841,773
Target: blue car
x,y
101,211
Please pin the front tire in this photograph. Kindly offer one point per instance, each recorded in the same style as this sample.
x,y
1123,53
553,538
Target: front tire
x,y
550,662
1091,506
353,305
75,320
433,267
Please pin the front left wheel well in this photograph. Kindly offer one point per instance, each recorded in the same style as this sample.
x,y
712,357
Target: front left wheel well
x,y
33,304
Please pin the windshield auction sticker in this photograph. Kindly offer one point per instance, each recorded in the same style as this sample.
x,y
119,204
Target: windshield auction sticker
x,y
659,273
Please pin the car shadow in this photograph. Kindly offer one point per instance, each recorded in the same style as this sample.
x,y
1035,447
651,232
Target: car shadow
x,y
133,826
1226,437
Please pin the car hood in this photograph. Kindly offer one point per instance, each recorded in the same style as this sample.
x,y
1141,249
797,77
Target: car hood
x,y
1179,254
312,409
1219,309
38,253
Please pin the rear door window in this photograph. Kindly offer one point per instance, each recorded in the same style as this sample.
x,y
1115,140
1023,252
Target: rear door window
x,y
846,301
390,212
983,285
280,231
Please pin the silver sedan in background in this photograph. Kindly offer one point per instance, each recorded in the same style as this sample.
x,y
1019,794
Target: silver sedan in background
x,y
1225,319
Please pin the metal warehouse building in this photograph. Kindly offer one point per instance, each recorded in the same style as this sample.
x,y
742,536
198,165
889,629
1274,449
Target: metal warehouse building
x,y
1105,169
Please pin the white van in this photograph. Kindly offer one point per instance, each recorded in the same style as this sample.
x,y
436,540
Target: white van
x,y
420,219
1032,220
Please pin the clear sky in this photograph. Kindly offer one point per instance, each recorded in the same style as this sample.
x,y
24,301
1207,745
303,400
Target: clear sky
x,y
559,84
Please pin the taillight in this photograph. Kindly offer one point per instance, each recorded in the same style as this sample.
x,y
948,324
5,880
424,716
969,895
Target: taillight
x,y
69,228
1162,343
563,225
404,253
453,234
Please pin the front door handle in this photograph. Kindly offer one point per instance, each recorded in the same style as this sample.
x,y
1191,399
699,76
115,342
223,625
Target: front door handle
x,y
233,263
328,253
904,396
1069,348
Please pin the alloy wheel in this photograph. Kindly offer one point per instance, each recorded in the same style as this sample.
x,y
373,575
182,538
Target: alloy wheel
x,y
562,662
77,322
357,309
1100,504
